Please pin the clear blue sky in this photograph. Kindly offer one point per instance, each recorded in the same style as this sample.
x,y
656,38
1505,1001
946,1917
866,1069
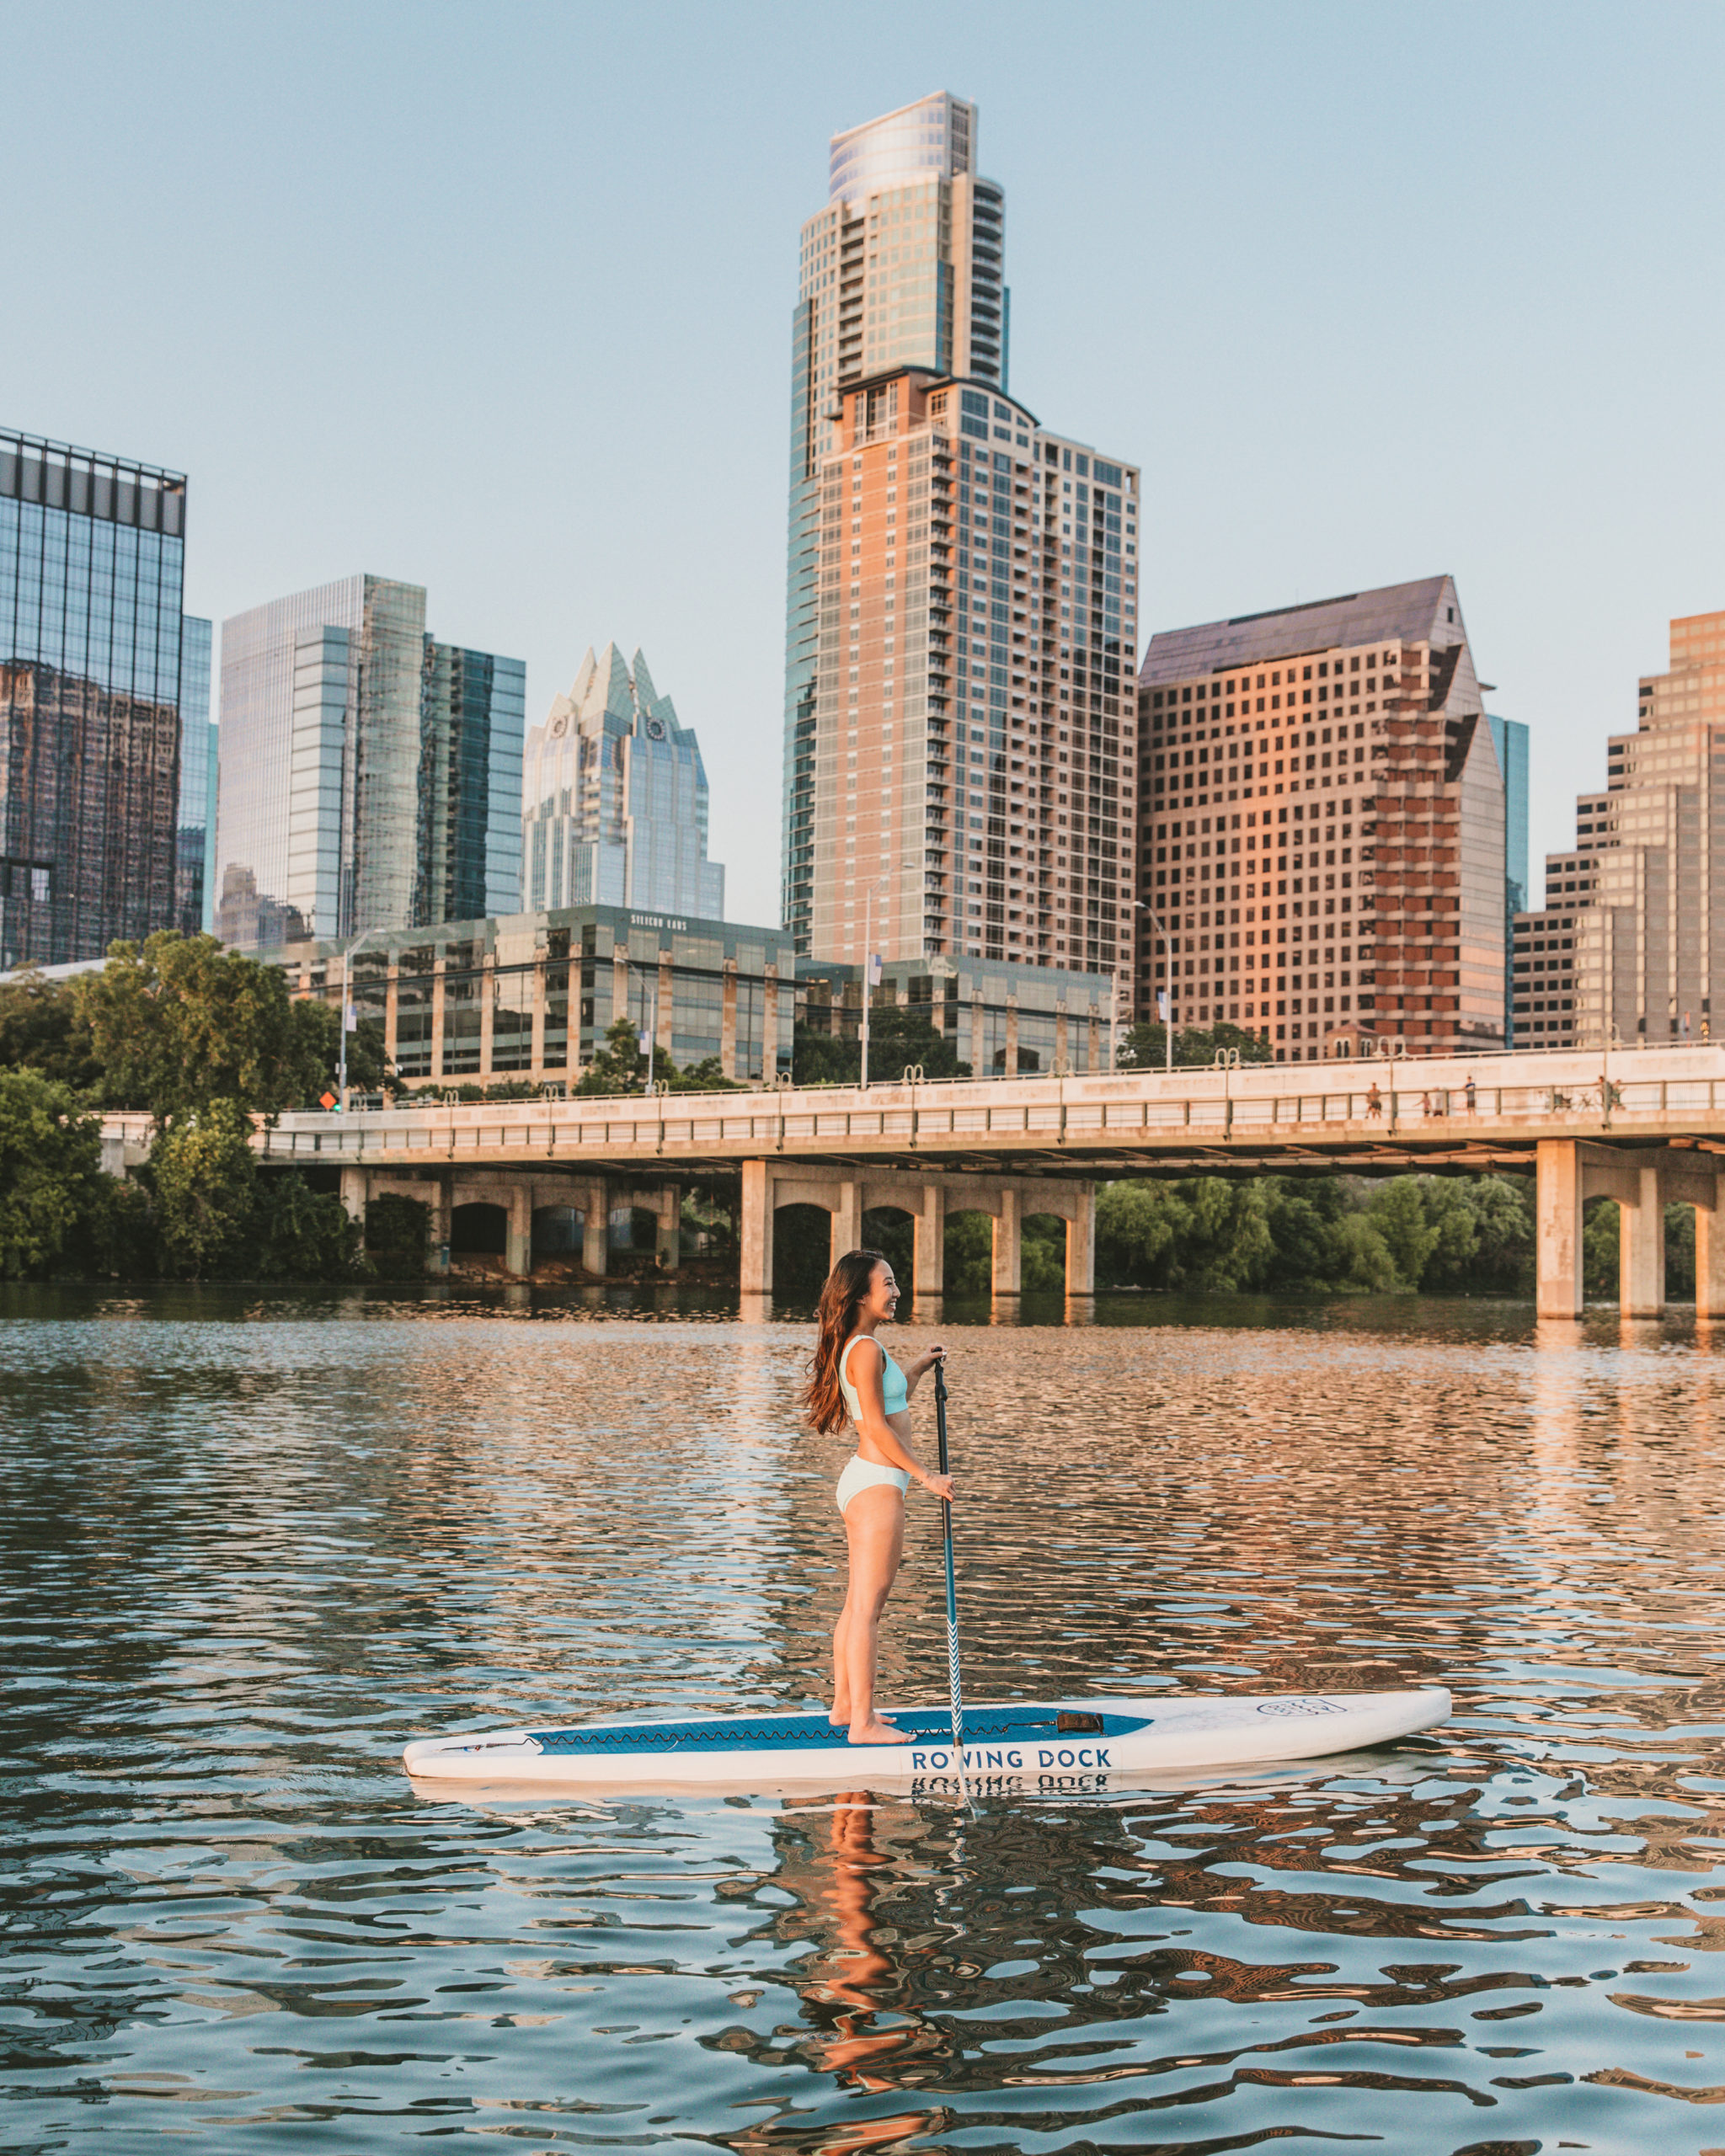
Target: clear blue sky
x,y
496,298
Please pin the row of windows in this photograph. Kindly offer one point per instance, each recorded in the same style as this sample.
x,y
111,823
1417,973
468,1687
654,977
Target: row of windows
x,y
1231,686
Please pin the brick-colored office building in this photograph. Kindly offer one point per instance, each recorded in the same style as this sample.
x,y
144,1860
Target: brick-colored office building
x,y
1322,827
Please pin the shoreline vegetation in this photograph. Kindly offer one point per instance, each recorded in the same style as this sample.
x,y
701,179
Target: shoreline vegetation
x,y
204,1039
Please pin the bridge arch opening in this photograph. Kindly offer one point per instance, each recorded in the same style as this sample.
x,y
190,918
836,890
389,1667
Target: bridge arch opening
x,y
892,1230
1602,1237
557,1232
1043,1255
969,1244
479,1231
802,1245
632,1228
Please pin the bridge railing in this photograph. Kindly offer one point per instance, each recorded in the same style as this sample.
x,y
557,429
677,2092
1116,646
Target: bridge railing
x,y
1211,1107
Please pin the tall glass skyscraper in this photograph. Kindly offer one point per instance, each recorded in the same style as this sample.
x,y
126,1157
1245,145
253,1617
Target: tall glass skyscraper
x,y
615,800
369,776
194,899
92,564
903,268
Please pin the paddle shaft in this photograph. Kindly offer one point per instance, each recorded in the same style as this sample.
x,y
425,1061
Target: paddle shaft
x,y
945,1525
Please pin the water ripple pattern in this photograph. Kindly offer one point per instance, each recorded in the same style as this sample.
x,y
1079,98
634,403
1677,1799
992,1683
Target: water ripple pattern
x,y
250,1547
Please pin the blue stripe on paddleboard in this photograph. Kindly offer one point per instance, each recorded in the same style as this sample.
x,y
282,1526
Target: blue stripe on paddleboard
x,y
814,1732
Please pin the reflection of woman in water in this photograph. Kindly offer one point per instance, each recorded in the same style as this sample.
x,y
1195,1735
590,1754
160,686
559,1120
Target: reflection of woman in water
x,y
852,1375
854,1981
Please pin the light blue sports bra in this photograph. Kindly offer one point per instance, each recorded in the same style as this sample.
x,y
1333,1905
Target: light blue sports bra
x,y
895,1394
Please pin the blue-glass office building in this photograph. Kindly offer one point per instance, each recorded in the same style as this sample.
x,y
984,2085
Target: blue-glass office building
x,y
92,564
193,896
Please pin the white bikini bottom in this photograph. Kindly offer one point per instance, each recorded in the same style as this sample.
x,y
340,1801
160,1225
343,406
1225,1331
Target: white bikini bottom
x,y
862,1473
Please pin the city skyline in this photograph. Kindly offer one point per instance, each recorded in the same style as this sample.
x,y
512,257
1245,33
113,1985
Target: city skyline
x,y
1269,310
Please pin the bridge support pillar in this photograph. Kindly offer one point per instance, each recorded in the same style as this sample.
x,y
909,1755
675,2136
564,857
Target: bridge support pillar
x,y
1558,1237
1008,1244
1081,1241
846,1222
518,1246
930,1248
1710,1254
1641,1247
756,1280
668,1243
595,1230
355,1189
441,1216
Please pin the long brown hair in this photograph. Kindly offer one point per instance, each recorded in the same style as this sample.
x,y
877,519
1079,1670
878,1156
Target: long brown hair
x,y
835,1321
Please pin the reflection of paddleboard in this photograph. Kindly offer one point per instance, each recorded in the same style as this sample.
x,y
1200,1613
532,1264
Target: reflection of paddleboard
x,y
1017,1745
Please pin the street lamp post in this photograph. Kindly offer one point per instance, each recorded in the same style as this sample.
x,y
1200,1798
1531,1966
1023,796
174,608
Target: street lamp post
x,y
1167,994
341,1060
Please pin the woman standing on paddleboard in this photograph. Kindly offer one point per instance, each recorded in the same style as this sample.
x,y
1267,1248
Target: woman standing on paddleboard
x,y
853,1375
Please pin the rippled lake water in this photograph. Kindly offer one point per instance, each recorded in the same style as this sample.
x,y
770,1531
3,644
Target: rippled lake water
x,y
250,1547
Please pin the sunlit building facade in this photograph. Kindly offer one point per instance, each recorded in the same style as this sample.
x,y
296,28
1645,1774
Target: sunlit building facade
x,y
530,998
92,564
1630,946
972,791
904,268
369,776
1323,827
615,800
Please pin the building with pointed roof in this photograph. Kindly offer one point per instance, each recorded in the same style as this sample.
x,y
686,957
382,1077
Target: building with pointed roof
x,y
1322,827
614,799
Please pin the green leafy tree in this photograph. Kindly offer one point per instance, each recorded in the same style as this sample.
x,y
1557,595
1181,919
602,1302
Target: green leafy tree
x,y
179,1024
1366,1260
42,1028
1140,1229
1311,1248
1600,1245
204,1178
821,1059
1399,1212
53,1194
706,1077
620,1065
1145,1047
899,1036
397,1232
1042,1256
314,1054
302,1233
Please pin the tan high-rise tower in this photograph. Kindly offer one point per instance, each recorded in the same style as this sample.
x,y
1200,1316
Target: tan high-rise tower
x,y
1630,944
903,268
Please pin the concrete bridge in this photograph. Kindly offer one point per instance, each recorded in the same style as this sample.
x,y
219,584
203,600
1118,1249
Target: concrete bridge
x,y
1643,1128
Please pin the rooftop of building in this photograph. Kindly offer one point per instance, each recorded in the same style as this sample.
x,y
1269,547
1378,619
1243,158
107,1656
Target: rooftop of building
x,y
39,449
1406,613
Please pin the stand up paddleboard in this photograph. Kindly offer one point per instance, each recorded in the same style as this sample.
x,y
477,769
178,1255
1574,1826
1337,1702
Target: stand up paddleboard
x,y
1017,1746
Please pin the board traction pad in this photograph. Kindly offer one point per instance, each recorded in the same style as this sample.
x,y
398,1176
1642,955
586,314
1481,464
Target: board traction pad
x,y
814,1732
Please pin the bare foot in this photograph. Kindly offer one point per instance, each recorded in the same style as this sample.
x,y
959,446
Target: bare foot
x,y
878,1731
840,1715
